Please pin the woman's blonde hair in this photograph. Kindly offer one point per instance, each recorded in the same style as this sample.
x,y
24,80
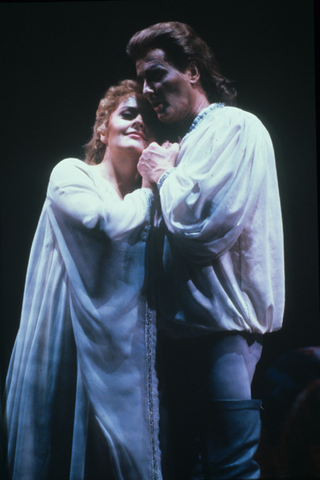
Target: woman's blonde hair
x,y
95,149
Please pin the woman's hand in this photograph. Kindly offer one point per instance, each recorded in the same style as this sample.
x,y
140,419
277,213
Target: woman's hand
x,y
147,184
156,160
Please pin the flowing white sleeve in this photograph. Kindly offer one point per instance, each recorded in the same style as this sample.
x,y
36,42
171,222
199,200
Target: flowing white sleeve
x,y
208,198
74,195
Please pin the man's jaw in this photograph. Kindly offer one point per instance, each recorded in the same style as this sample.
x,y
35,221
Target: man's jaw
x,y
158,106
156,103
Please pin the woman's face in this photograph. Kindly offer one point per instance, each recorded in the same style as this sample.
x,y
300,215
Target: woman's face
x,y
126,127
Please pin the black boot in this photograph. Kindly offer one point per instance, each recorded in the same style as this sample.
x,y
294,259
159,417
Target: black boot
x,y
230,438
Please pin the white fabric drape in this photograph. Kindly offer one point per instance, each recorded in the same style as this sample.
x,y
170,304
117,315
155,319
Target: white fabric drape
x,y
85,346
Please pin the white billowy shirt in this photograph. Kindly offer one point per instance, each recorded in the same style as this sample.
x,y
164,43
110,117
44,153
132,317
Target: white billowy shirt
x,y
220,260
81,387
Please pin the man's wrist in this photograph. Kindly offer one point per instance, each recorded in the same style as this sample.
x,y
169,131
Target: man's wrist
x,y
163,177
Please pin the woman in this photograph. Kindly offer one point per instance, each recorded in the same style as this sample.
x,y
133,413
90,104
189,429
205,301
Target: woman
x,y
81,388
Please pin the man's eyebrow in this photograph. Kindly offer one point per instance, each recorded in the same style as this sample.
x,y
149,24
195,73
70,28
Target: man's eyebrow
x,y
157,64
152,66
148,68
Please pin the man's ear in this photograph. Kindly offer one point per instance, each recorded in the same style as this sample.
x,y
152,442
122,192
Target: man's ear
x,y
194,74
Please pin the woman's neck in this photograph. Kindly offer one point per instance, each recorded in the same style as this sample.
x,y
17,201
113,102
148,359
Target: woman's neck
x,y
122,174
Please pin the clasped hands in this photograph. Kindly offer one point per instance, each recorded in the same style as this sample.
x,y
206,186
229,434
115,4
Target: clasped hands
x,y
156,159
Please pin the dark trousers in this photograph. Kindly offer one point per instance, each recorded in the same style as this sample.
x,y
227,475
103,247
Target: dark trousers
x,y
193,373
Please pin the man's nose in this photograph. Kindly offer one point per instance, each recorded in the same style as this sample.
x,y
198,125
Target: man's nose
x,y
147,89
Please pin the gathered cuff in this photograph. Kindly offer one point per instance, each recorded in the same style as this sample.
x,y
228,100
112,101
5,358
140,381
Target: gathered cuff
x,y
150,199
163,177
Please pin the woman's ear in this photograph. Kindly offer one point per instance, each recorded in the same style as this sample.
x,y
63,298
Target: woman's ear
x,y
104,139
194,74
103,132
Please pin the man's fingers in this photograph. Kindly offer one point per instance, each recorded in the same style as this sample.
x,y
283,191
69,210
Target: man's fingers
x,y
166,144
175,147
141,166
174,151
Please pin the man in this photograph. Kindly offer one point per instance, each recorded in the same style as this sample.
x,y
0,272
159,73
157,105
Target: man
x,y
220,268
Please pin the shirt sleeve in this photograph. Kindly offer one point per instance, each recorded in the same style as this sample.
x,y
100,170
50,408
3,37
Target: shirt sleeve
x,y
209,197
74,195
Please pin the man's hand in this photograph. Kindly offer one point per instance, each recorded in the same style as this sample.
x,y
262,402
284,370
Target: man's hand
x,y
156,160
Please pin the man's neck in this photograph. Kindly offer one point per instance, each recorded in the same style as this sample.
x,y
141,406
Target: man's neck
x,y
180,129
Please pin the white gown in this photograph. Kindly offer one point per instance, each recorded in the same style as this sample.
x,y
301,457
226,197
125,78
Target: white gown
x,y
81,387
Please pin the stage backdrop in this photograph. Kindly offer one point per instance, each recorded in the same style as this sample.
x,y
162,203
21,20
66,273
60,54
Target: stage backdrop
x,y
58,59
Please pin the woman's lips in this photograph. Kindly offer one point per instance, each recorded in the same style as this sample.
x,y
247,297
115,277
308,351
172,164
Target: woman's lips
x,y
137,134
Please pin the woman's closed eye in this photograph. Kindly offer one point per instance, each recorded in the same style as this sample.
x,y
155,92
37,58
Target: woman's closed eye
x,y
129,114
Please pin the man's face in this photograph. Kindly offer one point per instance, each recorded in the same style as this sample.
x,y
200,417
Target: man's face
x,y
168,90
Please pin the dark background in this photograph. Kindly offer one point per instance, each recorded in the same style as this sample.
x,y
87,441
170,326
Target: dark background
x,y
58,59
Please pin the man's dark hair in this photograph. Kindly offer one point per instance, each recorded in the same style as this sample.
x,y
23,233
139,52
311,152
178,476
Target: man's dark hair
x,y
182,46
